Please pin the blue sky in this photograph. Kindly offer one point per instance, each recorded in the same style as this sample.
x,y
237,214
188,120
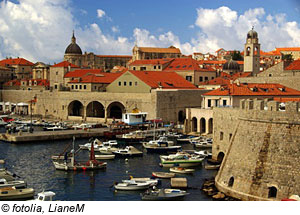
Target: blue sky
x,y
40,30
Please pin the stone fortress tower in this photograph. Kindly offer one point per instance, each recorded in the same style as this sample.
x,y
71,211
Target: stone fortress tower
x,y
261,149
73,53
252,53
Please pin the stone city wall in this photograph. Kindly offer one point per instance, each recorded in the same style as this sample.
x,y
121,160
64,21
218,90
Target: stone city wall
x,y
262,156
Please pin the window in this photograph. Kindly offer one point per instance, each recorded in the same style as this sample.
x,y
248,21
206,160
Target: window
x,y
200,79
206,78
72,87
154,67
159,67
224,102
136,83
120,83
130,83
133,69
209,103
84,87
230,135
221,135
55,86
188,78
143,68
76,87
95,87
231,181
56,73
80,87
124,83
272,192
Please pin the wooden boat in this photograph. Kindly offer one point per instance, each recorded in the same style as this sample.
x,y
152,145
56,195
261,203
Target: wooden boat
x,y
164,194
16,184
210,166
181,170
105,157
129,151
132,186
163,174
12,193
181,159
91,164
160,145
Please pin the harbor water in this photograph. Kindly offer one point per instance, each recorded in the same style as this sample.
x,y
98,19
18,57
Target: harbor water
x,y
32,162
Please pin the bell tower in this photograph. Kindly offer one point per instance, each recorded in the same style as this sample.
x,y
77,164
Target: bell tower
x,y
252,53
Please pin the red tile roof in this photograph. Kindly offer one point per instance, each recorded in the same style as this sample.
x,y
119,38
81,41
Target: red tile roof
x,y
217,81
184,64
295,65
114,56
152,62
254,90
100,78
168,80
13,83
65,64
286,99
81,72
160,50
16,61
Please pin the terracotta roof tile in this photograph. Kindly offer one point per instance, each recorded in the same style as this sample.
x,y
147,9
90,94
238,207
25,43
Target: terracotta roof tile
x,y
16,61
81,72
295,65
65,64
160,50
168,80
152,62
101,78
251,89
286,99
183,64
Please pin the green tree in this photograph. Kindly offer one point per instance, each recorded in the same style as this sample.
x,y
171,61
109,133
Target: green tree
x,y
287,57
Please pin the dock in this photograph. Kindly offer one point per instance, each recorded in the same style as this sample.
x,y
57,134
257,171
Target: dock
x,y
23,137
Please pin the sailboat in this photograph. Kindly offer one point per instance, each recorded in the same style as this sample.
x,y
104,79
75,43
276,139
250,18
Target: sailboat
x,y
72,165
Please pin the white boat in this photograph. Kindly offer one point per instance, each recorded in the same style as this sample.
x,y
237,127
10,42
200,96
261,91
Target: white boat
x,y
181,170
16,184
97,144
164,194
202,144
105,157
129,151
107,150
203,153
152,182
82,126
163,174
132,186
12,193
181,159
136,135
45,196
160,145
55,128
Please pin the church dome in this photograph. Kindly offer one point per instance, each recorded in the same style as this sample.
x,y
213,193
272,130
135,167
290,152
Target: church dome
x,y
73,48
231,65
252,34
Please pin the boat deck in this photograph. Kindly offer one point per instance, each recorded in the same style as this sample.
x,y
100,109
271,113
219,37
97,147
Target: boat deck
x,y
52,135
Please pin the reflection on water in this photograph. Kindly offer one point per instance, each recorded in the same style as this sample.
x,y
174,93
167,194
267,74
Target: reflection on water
x,y
32,162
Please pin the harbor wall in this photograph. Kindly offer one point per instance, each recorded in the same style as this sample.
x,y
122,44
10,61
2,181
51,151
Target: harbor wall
x,y
262,156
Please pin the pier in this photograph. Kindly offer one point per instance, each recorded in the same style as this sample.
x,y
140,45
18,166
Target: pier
x,y
22,137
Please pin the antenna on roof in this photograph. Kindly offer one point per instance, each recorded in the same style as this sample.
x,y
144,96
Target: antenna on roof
x,y
252,27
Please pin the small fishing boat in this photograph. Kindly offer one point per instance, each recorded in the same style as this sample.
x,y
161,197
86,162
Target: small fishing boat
x,y
202,144
45,196
16,184
181,159
181,170
97,144
129,151
107,150
160,145
12,193
72,165
164,194
105,157
152,182
132,186
203,153
211,166
163,174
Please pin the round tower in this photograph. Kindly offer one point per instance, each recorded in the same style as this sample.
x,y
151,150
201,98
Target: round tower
x,y
73,53
252,53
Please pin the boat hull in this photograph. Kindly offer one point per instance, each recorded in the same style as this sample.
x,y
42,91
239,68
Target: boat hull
x,y
179,163
105,157
62,166
144,187
18,194
182,171
126,155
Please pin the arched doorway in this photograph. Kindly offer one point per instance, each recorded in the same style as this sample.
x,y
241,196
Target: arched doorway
x,y
194,124
115,110
75,108
272,192
210,126
95,109
220,157
181,117
202,125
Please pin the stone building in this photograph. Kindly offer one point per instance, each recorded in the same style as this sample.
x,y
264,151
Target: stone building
x,y
41,71
252,53
259,146
6,74
146,53
22,68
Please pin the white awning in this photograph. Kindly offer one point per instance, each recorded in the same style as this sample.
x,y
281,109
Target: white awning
x,y
22,104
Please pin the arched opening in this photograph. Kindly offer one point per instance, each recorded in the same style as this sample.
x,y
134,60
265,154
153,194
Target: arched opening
x,y
95,109
220,157
202,125
194,124
75,108
231,181
210,126
181,117
272,192
248,51
115,110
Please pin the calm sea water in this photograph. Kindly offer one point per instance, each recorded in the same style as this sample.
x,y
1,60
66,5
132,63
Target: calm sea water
x,y
32,162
